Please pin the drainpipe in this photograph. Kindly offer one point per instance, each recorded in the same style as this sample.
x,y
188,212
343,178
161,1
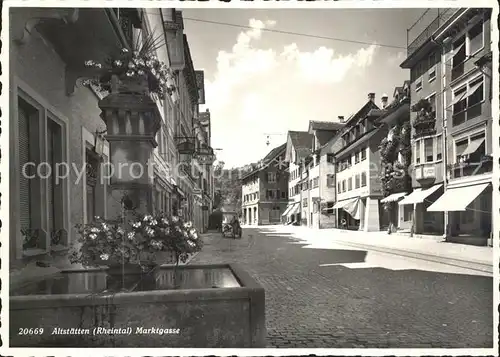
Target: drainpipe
x,y
445,133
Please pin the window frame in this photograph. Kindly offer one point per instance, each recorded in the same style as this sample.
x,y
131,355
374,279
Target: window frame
x,y
363,153
430,78
467,136
44,112
363,174
466,85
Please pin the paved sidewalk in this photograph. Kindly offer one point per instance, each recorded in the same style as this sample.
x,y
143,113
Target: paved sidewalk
x,y
452,253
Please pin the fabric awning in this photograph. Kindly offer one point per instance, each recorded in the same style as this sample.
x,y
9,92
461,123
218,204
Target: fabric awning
x,y
288,209
352,207
426,193
410,199
295,208
474,88
456,50
457,199
465,94
341,204
472,147
394,197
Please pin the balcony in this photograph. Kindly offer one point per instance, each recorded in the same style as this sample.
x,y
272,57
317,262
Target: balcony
x,y
425,174
77,34
434,23
424,123
467,169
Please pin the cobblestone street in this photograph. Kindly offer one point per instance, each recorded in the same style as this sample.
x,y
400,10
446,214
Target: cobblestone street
x,y
318,298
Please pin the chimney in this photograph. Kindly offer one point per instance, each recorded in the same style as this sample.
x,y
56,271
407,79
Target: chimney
x,y
385,98
341,118
371,96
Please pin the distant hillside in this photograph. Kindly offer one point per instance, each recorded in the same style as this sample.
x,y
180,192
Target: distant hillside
x,y
228,185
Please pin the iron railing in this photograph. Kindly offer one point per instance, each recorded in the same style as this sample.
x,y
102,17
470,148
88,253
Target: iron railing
x,y
430,22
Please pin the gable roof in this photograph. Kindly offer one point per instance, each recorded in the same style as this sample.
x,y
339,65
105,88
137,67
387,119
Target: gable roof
x,y
267,160
324,125
301,139
369,105
273,153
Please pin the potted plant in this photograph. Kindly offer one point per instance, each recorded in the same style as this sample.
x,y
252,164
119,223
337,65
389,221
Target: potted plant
x,y
137,71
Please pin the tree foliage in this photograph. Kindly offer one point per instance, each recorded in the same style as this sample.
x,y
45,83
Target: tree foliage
x,y
228,183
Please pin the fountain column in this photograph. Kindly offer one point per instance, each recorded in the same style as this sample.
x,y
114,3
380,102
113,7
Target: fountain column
x,y
132,120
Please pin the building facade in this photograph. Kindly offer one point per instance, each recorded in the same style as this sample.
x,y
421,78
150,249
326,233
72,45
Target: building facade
x,y
298,147
265,190
319,172
58,121
453,142
357,171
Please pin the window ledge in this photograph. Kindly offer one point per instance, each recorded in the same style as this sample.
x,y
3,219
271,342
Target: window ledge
x,y
428,163
33,252
59,248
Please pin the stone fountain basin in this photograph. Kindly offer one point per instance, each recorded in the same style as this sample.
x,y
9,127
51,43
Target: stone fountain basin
x,y
213,306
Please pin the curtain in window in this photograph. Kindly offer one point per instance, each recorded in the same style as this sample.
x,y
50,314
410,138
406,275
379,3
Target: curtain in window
x,y
24,158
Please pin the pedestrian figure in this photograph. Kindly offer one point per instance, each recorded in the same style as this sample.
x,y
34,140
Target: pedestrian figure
x,y
343,223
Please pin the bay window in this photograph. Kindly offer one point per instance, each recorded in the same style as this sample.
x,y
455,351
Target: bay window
x,y
428,150
439,148
417,152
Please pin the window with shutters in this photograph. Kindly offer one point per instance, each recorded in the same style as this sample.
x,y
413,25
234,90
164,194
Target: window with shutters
x,y
41,178
92,174
27,125
55,193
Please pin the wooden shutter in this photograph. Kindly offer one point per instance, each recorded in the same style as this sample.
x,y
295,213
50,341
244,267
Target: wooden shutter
x,y
91,177
50,179
24,158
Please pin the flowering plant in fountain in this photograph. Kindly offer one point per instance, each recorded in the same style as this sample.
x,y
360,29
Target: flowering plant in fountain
x,y
106,243
102,242
166,233
139,63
